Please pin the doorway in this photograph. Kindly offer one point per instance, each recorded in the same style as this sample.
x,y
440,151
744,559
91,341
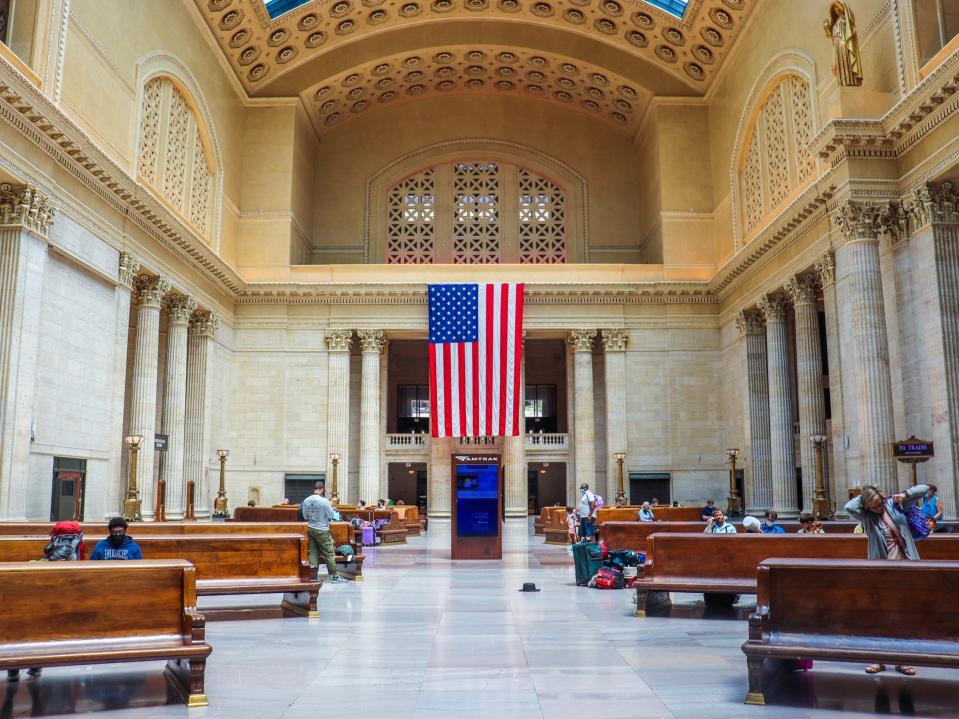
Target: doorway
x,y
644,486
407,482
547,484
68,485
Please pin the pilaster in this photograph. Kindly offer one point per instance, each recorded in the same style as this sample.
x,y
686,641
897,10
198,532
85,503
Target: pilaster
x,y
759,489
179,310
615,343
197,440
440,477
517,485
580,342
372,343
338,344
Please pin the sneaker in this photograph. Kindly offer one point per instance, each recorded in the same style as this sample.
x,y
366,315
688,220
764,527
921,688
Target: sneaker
x,y
336,579
35,671
13,675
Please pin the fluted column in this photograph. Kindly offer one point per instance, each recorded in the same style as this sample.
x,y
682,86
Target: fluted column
x,y
199,415
615,342
517,485
581,342
804,291
143,409
25,220
570,425
759,491
384,469
338,343
440,477
179,309
115,488
371,343
857,268
934,212
773,308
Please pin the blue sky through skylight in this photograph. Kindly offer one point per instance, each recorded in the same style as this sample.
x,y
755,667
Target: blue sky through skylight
x,y
275,8
673,7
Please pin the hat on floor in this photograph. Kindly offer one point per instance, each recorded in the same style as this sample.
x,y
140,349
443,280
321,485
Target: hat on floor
x,y
529,587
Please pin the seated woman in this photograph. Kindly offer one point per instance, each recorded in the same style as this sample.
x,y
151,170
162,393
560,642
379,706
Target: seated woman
x,y
645,513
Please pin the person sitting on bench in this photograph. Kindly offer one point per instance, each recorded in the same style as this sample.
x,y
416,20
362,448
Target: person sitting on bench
x,y
118,544
717,524
645,513
708,511
769,523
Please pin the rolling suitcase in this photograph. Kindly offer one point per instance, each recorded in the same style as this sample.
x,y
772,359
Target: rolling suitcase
x,y
587,558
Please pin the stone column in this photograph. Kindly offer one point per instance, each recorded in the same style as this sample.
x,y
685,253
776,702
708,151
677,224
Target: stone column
x,y
615,342
143,409
338,343
857,268
179,309
581,342
199,394
773,308
116,477
25,220
517,486
570,426
372,343
804,291
440,477
384,480
759,490
934,213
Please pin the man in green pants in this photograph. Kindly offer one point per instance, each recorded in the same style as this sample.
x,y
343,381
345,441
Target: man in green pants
x,y
317,511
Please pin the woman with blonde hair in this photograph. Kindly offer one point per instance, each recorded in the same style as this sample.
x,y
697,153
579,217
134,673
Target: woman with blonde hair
x,y
884,523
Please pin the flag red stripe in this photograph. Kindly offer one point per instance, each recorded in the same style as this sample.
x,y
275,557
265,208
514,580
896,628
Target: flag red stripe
x,y
447,408
488,419
433,393
476,388
461,381
518,377
503,346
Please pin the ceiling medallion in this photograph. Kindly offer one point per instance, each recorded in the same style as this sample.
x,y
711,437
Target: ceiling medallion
x,y
622,105
475,56
565,82
308,22
383,83
611,7
359,106
258,72
595,92
381,69
599,79
474,83
605,25
627,91
415,90
505,85
712,36
376,17
507,57
636,38
617,118
315,40
534,89
542,9
239,38
476,5
509,6
537,61
231,19
415,76
694,71
351,79
411,61
340,9
721,18
332,118
703,53
277,37
328,105
445,85
643,20
218,5
536,76
387,96
444,58
442,5
445,71
569,68
591,105
356,92
248,55
345,27
322,92
410,9
663,52
563,96
674,36
286,54
574,16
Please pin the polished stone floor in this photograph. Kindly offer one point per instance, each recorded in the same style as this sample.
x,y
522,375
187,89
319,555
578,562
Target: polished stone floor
x,y
425,637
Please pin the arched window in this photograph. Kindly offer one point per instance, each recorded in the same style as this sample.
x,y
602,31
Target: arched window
x,y
776,159
174,159
476,212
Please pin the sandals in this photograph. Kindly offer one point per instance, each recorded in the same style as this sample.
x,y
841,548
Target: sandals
x,y
875,668
908,671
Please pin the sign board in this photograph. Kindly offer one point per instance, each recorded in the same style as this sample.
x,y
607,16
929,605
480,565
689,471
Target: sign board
x,y
161,442
913,450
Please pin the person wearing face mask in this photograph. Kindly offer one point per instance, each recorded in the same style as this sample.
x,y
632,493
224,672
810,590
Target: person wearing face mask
x,y
117,545
587,512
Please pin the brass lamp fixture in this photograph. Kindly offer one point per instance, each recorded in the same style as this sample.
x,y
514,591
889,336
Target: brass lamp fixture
x,y
131,505
221,507
620,492
334,461
734,503
821,507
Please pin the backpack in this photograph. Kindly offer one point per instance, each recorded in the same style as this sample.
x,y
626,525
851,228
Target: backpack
x,y
608,578
599,501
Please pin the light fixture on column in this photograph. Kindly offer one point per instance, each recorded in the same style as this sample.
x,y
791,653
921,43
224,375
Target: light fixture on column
x,y
620,491
221,508
334,462
821,508
734,503
131,505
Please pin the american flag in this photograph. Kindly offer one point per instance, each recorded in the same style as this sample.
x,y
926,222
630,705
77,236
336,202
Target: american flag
x,y
476,350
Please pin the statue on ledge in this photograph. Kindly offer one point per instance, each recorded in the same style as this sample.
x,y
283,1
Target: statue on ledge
x,y
841,28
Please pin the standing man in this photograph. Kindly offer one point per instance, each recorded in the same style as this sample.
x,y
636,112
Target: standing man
x,y
118,544
317,512
587,512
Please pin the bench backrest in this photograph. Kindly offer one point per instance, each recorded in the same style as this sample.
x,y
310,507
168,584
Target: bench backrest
x,y
633,535
287,513
557,520
94,600
342,533
233,556
898,600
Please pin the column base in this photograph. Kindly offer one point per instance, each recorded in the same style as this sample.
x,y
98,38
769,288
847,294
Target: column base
x,y
439,514
517,513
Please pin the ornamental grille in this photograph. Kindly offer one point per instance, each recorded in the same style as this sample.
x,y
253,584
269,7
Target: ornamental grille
x,y
476,213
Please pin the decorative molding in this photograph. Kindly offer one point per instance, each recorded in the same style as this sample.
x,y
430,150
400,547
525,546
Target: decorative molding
x,y
204,323
129,267
372,341
339,340
150,290
773,308
581,340
931,204
28,206
825,267
802,289
615,340
859,220
179,308
750,322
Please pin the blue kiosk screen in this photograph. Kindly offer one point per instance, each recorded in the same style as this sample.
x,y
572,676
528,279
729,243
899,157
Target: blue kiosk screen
x,y
477,500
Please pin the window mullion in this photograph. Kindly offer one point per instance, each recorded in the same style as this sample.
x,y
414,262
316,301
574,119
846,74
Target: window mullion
x,y
445,210
509,213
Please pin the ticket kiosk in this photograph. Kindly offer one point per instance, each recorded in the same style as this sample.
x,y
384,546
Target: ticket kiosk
x,y
477,507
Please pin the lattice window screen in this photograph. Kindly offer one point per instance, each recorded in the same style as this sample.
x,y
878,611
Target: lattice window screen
x,y
777,159
412,220
174,170
542,220
476,230
150,130
202,178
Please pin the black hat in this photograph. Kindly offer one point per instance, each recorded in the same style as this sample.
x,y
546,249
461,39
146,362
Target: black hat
x,y
529,587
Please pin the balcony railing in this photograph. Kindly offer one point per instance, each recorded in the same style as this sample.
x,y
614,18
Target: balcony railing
x,y
550,441
407,441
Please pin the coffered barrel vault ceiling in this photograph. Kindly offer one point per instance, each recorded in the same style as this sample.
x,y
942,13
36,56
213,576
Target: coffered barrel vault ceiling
x,y
603,57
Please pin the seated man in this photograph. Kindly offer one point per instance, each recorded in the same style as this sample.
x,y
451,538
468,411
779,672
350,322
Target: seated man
x,y
769,523
118,544
708,511
717,524
645,513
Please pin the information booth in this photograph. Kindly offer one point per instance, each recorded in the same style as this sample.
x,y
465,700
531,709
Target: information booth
x,y
477,507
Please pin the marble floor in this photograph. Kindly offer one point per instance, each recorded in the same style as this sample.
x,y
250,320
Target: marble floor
x,y
425,637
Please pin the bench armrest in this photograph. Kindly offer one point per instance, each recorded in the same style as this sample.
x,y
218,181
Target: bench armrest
x,y
758,623
194,626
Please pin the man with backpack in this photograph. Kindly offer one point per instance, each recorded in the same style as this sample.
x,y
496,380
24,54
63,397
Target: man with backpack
x,y
587,512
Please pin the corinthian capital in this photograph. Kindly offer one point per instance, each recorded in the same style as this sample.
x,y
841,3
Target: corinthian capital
x,y
372,340
339,340
129,266
179,308
150,290
750,322
858,220
615,340
802,289
581,340
826,269
204,323
26,205
932,203
773,308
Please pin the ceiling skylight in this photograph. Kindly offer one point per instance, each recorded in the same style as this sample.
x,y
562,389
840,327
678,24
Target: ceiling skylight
x,y
673,7
275,8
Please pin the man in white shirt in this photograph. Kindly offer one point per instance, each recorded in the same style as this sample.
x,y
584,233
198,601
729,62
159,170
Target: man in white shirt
x,y
717,524
587,511
318,512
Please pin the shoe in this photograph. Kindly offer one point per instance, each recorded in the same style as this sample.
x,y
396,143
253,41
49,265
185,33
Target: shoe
x,y
336,579
35,671
13,675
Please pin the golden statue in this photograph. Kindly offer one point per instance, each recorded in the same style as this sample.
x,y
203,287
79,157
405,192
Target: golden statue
x,y
841,28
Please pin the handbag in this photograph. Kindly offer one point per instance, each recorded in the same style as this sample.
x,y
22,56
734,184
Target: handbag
x,y
915,520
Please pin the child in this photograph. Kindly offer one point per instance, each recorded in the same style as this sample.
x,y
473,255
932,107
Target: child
x,y
810,525
572,524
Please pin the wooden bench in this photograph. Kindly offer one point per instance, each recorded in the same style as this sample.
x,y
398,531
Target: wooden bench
x,y
394,532
726,564
410,516
857,611
225,563
284,513
82,623
556,531
539,524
